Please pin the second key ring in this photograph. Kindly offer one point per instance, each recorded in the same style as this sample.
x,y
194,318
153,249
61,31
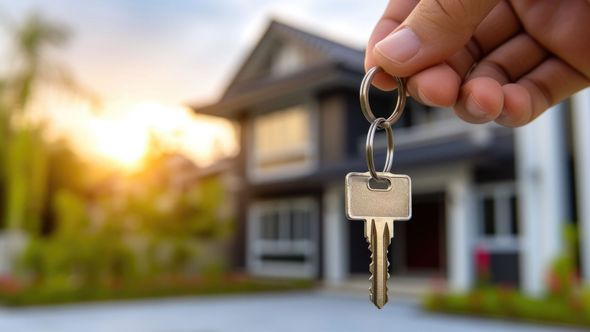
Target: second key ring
x,y
369,147
364,97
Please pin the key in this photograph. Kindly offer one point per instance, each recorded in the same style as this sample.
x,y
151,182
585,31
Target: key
x,y
379,204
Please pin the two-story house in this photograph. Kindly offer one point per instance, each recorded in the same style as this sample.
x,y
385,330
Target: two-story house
x,y
295,99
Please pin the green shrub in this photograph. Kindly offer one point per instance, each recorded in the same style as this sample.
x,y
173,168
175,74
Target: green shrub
x,y
60,291
565,302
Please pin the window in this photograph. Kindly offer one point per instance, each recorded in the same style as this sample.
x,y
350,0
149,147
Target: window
x,y
287,60
498,226
489,216
513,216
282,140
282,238
498,234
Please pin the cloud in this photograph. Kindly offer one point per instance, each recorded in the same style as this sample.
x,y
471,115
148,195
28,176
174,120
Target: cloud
x,y
174,51
171,52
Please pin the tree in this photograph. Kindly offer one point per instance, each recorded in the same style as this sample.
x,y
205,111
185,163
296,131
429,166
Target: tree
x,y
23,153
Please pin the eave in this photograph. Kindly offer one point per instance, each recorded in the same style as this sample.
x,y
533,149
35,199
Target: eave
x,y
313,78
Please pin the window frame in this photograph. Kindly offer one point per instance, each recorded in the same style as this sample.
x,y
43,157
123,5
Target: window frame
x,y
501,194
257,246
257,175
288,60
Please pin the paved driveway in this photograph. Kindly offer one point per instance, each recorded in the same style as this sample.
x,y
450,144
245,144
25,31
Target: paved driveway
x,y
294,312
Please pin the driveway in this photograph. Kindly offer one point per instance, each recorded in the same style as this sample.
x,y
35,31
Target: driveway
x,y
292,312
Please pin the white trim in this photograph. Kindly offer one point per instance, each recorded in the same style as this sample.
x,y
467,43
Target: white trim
x,y
435,178
256,247
285,172
460,215
581,124
500,244
542,194
439,131
335,236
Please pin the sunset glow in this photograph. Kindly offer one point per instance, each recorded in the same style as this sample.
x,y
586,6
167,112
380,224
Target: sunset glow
x,y
123,133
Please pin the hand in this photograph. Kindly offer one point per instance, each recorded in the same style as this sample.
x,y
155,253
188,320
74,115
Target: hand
x,y
506,61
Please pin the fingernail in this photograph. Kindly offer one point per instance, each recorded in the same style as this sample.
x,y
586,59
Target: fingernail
x,y
399,47
474,108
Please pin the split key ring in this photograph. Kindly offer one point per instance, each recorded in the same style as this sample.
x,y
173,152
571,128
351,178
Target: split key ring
x,y
364,98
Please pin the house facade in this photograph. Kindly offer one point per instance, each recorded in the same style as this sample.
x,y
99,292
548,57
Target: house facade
x,y
476,188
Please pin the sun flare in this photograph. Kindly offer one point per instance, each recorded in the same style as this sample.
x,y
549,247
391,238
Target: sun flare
x,y
120,142
123,133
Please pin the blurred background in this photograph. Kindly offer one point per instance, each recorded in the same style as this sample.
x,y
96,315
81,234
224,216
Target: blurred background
x,y
179,166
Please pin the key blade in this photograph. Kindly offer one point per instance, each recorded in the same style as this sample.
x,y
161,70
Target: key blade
x,y
379,238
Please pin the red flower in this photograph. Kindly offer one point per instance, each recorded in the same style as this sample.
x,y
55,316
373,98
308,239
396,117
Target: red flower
x,y
553,282
482,262
9,285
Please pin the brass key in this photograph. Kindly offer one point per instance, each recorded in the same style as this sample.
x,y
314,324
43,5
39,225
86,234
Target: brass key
x,y
379,203
379,198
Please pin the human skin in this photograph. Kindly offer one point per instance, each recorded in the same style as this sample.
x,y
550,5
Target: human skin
x,y
503,61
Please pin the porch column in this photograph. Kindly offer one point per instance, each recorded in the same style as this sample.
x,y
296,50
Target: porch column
x,y
335,236
460,222
542,195
581,124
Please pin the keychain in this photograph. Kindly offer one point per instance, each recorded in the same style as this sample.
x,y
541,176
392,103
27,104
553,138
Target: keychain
x,y
379,198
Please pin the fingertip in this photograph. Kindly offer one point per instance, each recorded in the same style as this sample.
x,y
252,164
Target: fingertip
x,y
384,82
435,86
517,110
381,80
393,68
481,100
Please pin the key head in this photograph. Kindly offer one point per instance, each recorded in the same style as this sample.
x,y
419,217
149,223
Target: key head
x,y
363,201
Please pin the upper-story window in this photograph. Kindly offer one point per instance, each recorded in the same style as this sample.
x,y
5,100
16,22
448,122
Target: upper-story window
x,y
282,142
288,60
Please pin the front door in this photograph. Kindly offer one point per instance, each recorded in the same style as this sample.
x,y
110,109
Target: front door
x,y
419,244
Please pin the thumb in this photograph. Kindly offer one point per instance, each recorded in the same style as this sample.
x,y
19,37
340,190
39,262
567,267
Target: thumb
x,y
434,30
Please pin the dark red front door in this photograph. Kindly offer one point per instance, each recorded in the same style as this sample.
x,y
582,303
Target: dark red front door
x,y
419,246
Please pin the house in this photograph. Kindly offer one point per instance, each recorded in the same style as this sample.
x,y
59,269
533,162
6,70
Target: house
x,y
475,187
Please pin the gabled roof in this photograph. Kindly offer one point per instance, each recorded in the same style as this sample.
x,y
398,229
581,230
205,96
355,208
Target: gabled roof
x,y
333,63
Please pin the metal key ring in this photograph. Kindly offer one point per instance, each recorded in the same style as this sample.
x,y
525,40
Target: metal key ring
x,y
364,97
379,122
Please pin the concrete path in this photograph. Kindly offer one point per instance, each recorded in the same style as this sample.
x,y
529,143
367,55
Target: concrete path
x,y
293,312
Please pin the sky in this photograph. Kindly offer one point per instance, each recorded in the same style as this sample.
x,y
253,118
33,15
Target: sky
x,y
172,53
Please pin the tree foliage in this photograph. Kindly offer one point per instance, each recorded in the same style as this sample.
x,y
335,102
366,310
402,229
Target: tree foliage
x,y
85,225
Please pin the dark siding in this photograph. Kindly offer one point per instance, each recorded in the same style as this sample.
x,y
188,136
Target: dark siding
x,y
356,124
382,104
502,169
242,198
358,248
505,269
332,108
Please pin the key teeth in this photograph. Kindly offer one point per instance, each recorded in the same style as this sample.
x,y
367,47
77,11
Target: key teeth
x,y
386,241
372,241
371,266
